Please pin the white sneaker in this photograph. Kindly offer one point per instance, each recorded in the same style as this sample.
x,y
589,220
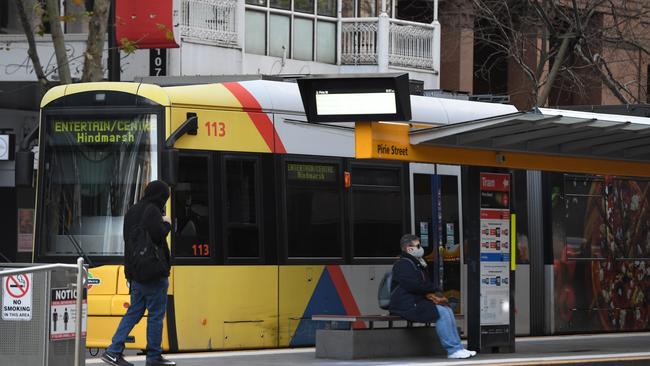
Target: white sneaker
x,y
471,353
460,354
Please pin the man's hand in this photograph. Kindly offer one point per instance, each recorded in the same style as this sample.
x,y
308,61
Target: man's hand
x,y
167,219
438,300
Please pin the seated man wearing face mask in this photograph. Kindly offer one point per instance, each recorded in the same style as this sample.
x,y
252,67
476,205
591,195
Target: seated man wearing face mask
x,y
414,297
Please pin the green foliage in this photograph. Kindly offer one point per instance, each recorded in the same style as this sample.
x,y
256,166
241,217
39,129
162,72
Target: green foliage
x,y
128,46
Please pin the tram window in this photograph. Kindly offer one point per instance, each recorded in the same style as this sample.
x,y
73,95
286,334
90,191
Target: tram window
x,y
191,208
314,202
377,211
241,211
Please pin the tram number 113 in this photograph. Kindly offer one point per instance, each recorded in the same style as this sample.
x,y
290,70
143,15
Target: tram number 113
x,y
216,129
201,250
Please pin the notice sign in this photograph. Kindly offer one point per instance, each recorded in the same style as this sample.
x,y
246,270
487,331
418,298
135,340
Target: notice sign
x,y
495,249
17,297
63,314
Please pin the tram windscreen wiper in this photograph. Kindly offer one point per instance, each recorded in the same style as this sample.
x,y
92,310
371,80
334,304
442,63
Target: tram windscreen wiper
x,y
79,249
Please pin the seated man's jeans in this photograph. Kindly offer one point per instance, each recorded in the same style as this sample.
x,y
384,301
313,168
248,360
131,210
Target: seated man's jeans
x,y
149,296
447,330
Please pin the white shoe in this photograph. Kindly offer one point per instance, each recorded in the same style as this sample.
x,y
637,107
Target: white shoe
x,y
471,353
460,354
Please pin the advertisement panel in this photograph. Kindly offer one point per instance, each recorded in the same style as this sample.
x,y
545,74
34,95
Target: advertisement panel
x,y
601,246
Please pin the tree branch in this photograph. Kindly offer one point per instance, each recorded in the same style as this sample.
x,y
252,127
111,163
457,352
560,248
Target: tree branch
x,y
29,33
59,41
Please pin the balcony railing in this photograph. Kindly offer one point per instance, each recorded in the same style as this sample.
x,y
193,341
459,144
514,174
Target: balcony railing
x,y
359,41
212,21
363,41
410,44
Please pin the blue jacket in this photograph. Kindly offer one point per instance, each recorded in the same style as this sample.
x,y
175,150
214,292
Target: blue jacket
x,y
411,283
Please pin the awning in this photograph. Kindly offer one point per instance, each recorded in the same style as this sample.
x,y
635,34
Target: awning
x,y
550,132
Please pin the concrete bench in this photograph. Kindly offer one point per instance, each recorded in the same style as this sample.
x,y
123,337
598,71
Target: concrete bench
x,y
346,342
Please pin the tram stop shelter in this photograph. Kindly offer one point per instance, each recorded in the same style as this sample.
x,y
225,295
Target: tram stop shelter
x,y
542,139
552,140
539,140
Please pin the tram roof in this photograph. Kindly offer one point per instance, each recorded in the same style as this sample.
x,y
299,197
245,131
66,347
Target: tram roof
x,y
549,132
273,96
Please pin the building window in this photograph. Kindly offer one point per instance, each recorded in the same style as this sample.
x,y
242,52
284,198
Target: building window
x,y
298,29
281,4
279,43
327,7
377,210
303,6
314,209
326,42
255,32
303,35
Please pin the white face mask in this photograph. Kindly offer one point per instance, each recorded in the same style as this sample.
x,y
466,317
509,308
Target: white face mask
x,y
416,252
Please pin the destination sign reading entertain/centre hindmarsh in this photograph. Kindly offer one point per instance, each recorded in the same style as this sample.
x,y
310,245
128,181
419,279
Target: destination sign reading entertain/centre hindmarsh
x,y
101,131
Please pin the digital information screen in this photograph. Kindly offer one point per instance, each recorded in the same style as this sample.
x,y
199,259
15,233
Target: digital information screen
x,y
356,97
355,103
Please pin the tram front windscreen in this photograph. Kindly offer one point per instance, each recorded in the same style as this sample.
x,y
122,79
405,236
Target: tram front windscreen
x,y
93,169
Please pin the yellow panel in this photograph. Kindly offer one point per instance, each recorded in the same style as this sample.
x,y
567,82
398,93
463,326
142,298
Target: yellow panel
x,y
52,94
119,304
384,141
131,88
154,93
215,95
297,284
219,130
122,284
215,302
102,328
99,304
107,277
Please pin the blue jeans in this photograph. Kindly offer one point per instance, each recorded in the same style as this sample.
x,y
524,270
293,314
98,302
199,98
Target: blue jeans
x,y
447,330
149,296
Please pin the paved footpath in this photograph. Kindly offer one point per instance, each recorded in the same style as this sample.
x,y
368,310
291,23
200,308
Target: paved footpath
x,y
601,350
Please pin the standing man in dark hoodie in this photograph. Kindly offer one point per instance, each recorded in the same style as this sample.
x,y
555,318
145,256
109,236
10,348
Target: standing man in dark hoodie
x,y
415,298
151,296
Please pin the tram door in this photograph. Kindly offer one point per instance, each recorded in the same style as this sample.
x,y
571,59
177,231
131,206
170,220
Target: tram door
x,y
436,219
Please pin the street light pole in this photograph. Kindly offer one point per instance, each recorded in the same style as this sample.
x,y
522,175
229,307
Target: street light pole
x,y
113,50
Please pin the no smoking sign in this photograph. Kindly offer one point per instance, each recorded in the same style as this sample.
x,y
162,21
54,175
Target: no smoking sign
x,y
17,297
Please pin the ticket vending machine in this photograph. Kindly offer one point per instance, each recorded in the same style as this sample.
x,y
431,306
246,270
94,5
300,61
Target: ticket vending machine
x,y
490,306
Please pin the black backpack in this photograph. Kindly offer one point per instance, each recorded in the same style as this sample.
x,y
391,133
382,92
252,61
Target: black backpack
x,y
385,290
147,260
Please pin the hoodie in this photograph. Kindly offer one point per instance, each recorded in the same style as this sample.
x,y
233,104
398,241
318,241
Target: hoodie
x,y
149,213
